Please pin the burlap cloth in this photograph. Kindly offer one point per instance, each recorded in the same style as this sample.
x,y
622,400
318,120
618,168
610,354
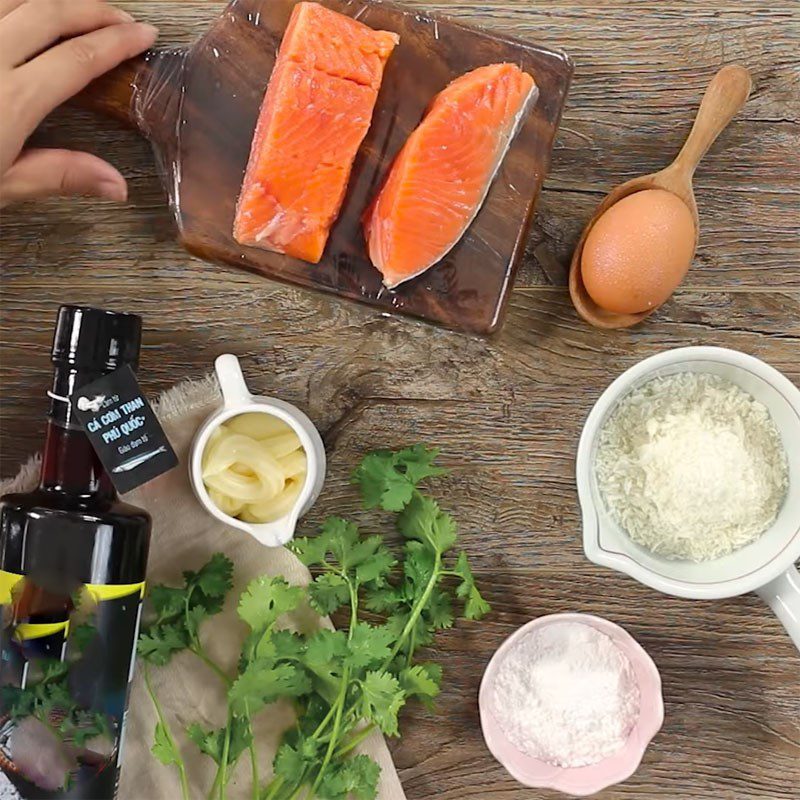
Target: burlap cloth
x,y
184,536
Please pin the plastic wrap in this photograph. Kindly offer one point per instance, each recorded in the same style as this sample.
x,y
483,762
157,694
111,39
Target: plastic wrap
x,y
199,108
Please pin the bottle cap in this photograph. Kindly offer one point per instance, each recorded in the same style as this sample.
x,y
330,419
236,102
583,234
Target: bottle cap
x,y
94,340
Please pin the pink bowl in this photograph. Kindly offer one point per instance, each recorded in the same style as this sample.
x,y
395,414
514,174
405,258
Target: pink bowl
x,y
578,781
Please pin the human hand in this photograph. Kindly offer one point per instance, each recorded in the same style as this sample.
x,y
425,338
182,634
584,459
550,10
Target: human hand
x,y
49,51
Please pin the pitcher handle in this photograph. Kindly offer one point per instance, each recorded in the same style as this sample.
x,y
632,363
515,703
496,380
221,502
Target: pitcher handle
x,y
783,597
231,381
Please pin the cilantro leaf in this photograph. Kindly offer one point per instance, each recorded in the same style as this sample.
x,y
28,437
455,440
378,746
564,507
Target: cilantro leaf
x,y
206,741
167,602
475,606
423,520
356,777
382,699
381,484
163,747
262,683
266,599
194,617
389,479
377,568
290,760
357,559
368,646
328,592
310,551
326,646
324,658
418,463
342,541
215,577
240,739
384,598
421,633
212,743
439,610
419,566
288,645
422,681
161,642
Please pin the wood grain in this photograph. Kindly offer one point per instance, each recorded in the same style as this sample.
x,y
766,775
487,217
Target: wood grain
x,y
506,412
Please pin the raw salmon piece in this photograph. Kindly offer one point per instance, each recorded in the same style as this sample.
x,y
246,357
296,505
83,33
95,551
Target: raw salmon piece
x,y
440,178
315,114
340,46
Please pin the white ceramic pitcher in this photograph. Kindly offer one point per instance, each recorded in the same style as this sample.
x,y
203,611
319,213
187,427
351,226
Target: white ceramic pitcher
x,y
237,400
767,565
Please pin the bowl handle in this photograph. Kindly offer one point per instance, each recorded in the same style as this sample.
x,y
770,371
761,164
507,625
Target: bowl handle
x,y
783,597
231,381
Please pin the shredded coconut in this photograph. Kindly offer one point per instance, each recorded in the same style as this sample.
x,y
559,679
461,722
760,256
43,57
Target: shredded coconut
x,y
691,466
566,694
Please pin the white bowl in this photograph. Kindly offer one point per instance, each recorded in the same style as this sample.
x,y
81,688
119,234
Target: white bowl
x,y
767,564
238,400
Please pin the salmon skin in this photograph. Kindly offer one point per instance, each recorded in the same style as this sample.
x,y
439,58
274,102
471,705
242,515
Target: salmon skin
x,y
316,111
442,175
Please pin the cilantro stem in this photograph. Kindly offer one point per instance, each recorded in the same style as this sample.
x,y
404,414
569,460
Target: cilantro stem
x,y
341,699
252,750
417,609
162,719
274,787
337,721
411,647
355,740
197,649
324,724
416,612
223,762
212,792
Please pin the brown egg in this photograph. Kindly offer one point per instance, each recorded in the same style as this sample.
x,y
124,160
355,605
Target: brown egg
x,y
638,252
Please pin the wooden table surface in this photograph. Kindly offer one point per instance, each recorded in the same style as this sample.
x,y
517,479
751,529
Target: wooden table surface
x,y
507,412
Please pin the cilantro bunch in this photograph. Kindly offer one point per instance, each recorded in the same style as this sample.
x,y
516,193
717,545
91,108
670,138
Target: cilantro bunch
x,y
343,683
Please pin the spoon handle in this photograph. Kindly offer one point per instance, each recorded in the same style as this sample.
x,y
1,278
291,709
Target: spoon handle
x,y
725,95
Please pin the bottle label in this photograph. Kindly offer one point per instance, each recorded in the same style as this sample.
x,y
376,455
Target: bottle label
x,y
64,682
123,429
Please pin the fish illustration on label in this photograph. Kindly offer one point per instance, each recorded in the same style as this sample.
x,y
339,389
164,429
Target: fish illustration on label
x,y
132,463
94,405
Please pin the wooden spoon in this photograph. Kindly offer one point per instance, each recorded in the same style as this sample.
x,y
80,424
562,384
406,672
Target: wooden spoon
x,y
725,95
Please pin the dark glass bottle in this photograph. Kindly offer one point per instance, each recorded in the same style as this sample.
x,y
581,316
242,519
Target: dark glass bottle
x,y
72,570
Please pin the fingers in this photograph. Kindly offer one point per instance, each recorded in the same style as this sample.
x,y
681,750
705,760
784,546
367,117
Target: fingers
x,y
7,6
37,24
62,71
65,173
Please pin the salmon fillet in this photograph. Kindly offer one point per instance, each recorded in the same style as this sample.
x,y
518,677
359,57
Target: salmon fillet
x,y
440,178
316,111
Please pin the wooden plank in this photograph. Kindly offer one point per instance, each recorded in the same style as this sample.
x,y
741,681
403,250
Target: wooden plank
x,y
330,356
507,411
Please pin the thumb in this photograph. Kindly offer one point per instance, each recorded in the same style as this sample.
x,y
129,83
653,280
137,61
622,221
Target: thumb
x,y
64,173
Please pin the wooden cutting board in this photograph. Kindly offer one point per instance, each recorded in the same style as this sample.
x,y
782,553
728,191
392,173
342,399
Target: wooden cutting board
x,y
199,108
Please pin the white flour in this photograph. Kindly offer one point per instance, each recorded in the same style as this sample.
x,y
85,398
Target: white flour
x,y
566,694
691,466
